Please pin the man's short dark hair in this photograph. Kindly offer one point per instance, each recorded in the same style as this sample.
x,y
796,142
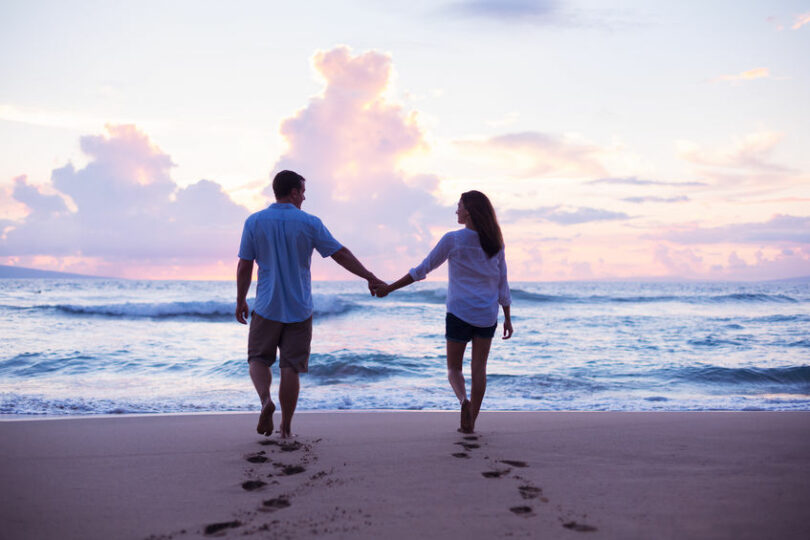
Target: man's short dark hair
x,y
285,182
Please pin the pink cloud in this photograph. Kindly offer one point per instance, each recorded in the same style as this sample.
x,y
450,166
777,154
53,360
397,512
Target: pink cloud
x,y
749,75
127,210
536,154
752,152
781,229
347,143
801,20
694,263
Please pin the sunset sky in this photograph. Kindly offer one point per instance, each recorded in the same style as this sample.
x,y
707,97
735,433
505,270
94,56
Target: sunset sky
x,y
616,140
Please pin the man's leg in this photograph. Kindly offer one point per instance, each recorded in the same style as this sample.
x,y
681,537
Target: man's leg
x,y
261,376
288,398
480,353
294,359
262,343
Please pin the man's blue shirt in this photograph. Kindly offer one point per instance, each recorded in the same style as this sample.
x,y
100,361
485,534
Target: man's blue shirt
x,y
280,239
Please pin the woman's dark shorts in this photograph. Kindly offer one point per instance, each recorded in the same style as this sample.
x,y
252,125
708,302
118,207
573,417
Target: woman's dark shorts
x,y
462,332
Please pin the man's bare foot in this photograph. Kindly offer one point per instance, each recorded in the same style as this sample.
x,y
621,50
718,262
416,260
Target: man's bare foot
x,y
466,417
265,426
286,432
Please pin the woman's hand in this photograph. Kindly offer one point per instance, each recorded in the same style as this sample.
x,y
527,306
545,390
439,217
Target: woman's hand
x,y
382,290
507,329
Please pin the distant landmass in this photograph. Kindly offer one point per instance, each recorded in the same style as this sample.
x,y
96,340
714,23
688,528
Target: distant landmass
x,y
18,272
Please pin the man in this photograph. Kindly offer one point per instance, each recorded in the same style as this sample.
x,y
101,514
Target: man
x,y
281,239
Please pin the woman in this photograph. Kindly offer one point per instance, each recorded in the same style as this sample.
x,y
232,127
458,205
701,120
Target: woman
x,y
477,285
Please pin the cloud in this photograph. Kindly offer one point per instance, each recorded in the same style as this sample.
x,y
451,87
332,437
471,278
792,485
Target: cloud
x,y
563,216
507,10
641,200
634,181
39,203
750,75
751,152
801,20
347,142
537,155
778,230
783,265
751,266
127,209
684,263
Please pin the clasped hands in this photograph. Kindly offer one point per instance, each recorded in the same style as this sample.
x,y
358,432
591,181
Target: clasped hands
x,y
378,287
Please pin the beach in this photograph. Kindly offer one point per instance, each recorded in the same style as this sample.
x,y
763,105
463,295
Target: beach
x,y
398,474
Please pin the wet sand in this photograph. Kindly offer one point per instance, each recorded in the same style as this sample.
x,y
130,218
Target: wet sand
x,y
409,475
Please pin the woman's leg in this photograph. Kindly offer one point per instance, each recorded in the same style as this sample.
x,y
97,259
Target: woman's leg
x,y
480,352
455,358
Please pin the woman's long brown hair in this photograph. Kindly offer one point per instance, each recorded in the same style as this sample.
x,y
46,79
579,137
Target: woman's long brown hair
x,y
483,219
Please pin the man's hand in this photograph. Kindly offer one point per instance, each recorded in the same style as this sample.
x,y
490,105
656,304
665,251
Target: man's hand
x,y
374,285
380,290
242,311
507,329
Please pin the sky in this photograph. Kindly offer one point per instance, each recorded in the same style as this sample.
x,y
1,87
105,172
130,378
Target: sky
x,y
632,140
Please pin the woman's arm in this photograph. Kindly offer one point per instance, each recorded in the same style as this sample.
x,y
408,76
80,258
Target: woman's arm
x,y
435,258
507,322
505,298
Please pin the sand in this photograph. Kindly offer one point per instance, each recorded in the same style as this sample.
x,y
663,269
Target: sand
x,y
409,475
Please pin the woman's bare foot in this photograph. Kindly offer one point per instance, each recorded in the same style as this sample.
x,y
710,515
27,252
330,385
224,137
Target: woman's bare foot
x,y
265,426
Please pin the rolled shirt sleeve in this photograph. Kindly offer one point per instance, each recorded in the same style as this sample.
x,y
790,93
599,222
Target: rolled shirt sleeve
x,y
504,295
434,259
246,246
323,241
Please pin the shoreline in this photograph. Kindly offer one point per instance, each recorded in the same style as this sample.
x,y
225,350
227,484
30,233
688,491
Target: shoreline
x,y
36,417
400,475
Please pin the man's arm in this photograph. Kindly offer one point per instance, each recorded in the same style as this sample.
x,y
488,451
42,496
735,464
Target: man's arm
x,y
347,260
244,273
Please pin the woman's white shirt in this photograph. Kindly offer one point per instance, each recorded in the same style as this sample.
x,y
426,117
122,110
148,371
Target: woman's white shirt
x,y
477,284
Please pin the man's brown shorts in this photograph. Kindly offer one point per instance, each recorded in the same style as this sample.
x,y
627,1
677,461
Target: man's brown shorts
x,y
291,339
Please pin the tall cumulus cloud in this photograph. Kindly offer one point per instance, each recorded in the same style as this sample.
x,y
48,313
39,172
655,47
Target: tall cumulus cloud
x,y
347,143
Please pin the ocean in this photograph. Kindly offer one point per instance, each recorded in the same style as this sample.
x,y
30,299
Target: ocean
x,y
94,346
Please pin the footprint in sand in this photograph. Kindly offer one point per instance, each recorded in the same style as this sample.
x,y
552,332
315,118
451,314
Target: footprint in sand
x,y
257,458
251,485
579,527
525,511
291,446
284,446
289,470
271,505
214,528
531,492
514,463
461,455
495,474
468,446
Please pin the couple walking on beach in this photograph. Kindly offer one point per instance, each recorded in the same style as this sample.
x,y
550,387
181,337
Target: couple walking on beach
x,y
281,238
